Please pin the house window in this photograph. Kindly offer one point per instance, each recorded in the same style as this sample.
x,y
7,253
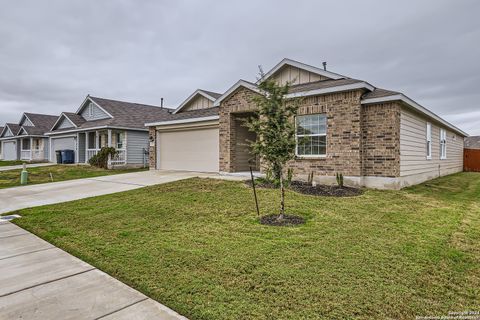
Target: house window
x,y
25,144
429,140
443,144
311,135
91,140
120,136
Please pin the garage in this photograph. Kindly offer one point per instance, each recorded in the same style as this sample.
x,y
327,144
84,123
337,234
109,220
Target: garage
x,y
189,150
63,143
9,150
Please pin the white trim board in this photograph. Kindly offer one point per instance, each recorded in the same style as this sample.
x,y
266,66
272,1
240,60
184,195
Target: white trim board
x,y
82,106
191,97
415,106
94,128
60,118
303,66
181,121
239,83
346,87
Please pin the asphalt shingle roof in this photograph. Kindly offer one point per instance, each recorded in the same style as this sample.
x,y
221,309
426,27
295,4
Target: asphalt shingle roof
x,y
77,119
215,95
379,93
472,142
13,127
322,84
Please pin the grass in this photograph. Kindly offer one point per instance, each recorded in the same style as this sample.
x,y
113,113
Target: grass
x,y
5,163
196,246
37,175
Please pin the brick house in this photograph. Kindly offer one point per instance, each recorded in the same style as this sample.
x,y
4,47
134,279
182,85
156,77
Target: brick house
x,y
375,137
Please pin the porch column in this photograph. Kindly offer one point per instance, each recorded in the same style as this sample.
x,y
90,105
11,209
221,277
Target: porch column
x,y
109,142
31,148
86,146
109,137
97,140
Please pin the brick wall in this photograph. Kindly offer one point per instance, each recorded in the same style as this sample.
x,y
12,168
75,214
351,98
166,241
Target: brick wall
x,y
239,102
361,140
381,139
152,158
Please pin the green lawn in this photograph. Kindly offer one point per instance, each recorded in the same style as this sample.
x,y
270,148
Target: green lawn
x,y
11,178
4,163
197,247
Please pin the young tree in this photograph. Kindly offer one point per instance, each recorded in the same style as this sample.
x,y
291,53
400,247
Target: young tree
x,y
275,129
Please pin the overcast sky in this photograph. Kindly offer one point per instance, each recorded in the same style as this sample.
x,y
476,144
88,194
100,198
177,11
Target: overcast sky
x,y
54,53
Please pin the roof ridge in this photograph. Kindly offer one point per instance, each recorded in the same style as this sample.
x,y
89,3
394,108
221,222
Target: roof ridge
x,y
122,101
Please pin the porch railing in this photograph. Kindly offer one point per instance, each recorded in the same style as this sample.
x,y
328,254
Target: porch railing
x,y
25,155
91,153
119,158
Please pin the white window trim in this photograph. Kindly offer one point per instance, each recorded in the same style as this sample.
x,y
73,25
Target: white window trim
x,y
429,139
310,156
443,137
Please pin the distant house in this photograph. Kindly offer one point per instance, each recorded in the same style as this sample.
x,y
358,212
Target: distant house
x,y
472,142
27,140
100,122
374,137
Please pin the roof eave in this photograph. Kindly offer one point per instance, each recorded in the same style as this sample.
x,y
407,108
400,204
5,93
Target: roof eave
x,y
415,106
182,121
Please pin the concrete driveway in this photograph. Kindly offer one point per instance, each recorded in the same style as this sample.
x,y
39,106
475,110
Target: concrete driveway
x,y
40,281
56,192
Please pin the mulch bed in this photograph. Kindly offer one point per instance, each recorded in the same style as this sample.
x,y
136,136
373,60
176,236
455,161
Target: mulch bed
x,y
287,221
308,189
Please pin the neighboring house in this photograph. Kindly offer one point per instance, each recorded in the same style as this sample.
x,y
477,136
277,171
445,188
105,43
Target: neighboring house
x,y
27,140
1,153
374,137
472,142
102,122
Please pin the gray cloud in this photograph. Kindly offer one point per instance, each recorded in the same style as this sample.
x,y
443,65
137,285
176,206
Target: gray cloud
x,y
53,54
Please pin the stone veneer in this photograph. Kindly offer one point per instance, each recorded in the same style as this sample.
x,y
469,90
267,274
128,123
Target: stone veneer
x,y
361,140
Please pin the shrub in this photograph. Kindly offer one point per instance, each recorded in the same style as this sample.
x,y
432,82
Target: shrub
x,y
100,160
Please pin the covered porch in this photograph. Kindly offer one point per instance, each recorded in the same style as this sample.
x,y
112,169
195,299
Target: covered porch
x,y
33,149
98,139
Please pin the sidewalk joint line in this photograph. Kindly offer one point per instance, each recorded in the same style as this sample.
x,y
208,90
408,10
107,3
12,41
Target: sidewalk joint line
x,y
47,282
123,308
21,254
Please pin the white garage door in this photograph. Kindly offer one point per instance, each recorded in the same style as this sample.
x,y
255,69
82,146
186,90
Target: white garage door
x,y
67,143
192,150
10,150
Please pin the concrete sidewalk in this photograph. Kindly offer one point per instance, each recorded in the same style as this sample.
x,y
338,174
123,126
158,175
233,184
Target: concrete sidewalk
x,y
29,165
40,281
56,192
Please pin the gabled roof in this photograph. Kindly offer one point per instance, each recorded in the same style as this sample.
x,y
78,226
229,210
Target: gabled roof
x,y
75,119
327,86
41,123
123,114
32,131
212,96
303,66
238,84
13,127
188,116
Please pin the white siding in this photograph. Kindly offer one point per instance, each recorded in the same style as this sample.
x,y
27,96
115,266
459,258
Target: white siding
x,y
8,133
97,113
200,102
65,123
413,148
137,141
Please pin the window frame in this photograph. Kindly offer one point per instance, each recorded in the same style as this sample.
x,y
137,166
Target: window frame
x,y
429,141
443,144
117,137
309,156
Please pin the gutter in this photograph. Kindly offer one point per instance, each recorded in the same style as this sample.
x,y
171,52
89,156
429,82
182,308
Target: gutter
x,y
94,128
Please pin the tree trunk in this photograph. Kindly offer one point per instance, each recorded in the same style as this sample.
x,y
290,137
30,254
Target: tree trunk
x,y
282,197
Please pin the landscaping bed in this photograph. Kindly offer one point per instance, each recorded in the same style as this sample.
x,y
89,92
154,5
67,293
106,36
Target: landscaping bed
x,y
197,246
307,188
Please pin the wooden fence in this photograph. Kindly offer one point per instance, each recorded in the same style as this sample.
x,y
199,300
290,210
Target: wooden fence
x,y
471,160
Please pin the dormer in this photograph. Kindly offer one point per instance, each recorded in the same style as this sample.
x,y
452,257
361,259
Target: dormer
x,y
9,130
91,111
200,99
25,121
296,72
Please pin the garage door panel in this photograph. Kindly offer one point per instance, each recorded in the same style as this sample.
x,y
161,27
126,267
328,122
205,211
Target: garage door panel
x,y
67,143
191,150
10,150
